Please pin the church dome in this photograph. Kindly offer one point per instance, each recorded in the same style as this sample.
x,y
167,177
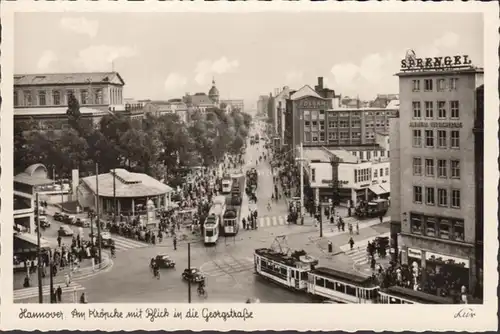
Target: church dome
x,y
213,93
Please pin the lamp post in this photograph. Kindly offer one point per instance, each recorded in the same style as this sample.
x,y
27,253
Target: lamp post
x,y
97,213
39,250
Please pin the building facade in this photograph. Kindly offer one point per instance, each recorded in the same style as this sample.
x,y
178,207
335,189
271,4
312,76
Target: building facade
x,y
43,98
234,104
357,180
434,163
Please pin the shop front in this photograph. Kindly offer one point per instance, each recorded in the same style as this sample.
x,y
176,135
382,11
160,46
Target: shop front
x,y
442,275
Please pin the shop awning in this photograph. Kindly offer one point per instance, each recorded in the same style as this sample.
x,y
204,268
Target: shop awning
x,y
377,189
26,242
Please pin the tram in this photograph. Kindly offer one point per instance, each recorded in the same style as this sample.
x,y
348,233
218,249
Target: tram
x,y
288,271
212,224
226,184
231,220
341,287
400,295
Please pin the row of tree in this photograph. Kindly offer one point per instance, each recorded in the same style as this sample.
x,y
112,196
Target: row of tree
x,y
158,146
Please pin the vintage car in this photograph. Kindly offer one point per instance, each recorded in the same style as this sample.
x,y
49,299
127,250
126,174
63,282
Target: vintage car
x,y
58,217
164,261
106,240
65,231
70,220
44,222
193,275
81,222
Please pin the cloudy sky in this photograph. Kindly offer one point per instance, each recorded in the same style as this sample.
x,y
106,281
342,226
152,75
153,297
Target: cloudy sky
x,y
165,55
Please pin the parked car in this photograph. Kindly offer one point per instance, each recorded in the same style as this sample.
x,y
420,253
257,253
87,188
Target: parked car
x,y
65,231
69,220
58,217
44,222
164,261
193,275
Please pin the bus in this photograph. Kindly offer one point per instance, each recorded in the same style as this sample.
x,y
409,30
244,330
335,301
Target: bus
x,y
231,220
341,287
211,226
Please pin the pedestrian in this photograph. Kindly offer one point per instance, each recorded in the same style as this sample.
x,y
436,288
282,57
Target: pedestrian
x,y
357,228
351,242
59,294
175,242
350,228
343,225
59,240
53,296
244,222
381,217
67,280
83,298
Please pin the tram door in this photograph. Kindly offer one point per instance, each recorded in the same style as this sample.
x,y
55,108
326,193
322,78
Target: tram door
x,y
292,277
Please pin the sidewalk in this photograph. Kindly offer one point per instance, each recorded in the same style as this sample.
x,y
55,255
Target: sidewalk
x,y
85,271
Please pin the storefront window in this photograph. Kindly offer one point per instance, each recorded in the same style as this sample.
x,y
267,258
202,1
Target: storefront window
x,y
416,225
458,230
444,229
430,226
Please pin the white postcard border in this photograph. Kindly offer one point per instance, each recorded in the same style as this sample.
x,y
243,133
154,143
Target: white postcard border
x,y
265,316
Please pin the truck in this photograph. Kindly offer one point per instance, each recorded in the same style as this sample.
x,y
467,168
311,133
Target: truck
x,y
374,208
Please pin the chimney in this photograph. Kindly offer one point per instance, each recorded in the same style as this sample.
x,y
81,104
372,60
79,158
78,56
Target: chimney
x,y
320,82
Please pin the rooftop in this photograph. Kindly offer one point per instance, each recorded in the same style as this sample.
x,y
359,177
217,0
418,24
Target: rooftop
x,y
441,71
67,78
344,156
34,175
303,92
127,184
316,153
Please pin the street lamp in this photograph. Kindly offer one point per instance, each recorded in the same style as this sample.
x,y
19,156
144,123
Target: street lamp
x,y
301,160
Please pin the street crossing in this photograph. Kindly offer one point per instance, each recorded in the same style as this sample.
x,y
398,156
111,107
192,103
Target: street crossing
x,y
29,293
124,244
227,266
270,221
358,253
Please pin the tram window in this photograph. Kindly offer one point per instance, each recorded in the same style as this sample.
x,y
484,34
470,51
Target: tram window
x,y
303,275
368,294
340,287
350,290
394,301
283,271
209,233
320,282
406,302
330,285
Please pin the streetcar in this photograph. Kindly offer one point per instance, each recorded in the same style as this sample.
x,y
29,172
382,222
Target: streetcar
x,y
226,184
231,220
288,271
341,287
400,295
212,224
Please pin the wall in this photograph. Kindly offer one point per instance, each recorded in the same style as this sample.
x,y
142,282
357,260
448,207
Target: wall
x,y
49,89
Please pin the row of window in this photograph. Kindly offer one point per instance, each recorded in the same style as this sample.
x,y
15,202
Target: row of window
x,y
437,196
442,138
41,98
376,154
444,110
354,114
442,84
381,170
437,227
362,175
57,97
429,166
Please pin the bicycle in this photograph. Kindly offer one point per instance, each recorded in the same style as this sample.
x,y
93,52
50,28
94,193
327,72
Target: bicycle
x,y
202,292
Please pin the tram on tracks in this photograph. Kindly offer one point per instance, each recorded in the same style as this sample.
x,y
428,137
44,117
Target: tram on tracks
x,y
212,224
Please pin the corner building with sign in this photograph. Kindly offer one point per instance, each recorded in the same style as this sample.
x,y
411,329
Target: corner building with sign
x,y
436,171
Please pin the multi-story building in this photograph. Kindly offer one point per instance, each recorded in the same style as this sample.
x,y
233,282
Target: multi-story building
x,y
43,98
436,154
357,179
262,104
173,106
234,104
316,123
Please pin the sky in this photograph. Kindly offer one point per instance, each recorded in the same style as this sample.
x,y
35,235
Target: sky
x,y
165,55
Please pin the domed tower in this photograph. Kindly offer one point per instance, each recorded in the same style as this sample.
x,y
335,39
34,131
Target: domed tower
x,y
213,94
